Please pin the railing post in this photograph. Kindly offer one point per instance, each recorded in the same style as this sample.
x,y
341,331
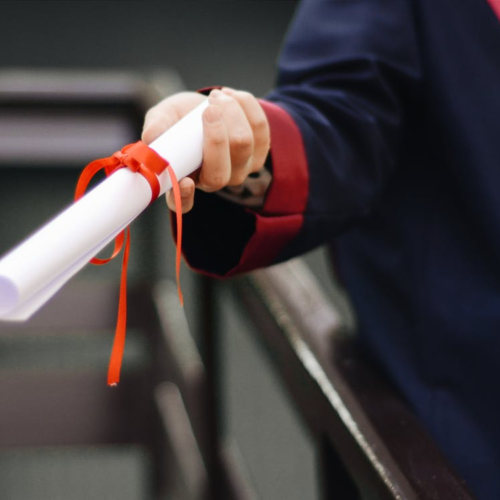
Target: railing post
x,y
209,347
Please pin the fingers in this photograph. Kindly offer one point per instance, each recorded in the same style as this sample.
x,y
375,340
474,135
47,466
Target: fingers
x,y
239,136
187,190
258,123
215,171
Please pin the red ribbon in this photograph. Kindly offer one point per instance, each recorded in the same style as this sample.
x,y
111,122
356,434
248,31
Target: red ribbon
x,y
139,158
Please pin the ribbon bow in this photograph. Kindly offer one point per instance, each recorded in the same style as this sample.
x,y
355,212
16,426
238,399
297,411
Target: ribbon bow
x,y
139,158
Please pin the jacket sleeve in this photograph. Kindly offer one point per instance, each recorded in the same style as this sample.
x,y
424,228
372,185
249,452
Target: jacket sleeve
x,y
346,74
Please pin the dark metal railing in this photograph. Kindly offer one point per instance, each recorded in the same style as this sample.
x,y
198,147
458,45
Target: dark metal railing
x,y
371,444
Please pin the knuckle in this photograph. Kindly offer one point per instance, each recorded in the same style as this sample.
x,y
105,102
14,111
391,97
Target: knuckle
x,y
216,181
217,141
212,114
242,142
261,125
219,182
238,178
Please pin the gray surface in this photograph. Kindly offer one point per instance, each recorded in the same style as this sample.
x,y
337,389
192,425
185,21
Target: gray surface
x,y
273,443
104,473
60,136
68,350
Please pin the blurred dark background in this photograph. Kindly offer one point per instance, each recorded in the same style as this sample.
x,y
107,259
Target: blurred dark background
x,y
233,43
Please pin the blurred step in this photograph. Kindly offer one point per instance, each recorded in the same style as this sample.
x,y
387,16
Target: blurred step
x,y
68,349
53,388
76,473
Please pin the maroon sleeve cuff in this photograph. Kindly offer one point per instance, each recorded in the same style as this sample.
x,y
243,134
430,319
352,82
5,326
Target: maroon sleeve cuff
x,y
290,186
281,218
223,239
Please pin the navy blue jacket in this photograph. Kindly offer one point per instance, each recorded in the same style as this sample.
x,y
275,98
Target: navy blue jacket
x,y
385,130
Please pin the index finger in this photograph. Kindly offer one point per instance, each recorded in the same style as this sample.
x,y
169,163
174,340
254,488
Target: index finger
x,y
157,121
167,113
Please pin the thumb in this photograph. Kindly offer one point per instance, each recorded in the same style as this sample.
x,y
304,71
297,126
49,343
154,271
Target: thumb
x,y
187,189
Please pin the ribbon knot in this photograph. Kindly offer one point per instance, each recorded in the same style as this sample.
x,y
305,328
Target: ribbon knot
x,y
124,160
141,159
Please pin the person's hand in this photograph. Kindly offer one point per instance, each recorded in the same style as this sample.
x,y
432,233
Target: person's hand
x,y
236,138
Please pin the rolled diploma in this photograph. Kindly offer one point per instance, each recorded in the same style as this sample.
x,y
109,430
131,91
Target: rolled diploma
x,y
34,271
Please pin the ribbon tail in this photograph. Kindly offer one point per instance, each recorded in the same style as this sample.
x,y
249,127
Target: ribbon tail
x,y
178,215
115,362
138,158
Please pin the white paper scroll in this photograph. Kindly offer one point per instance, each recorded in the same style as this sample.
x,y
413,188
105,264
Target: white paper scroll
x,y
34,271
